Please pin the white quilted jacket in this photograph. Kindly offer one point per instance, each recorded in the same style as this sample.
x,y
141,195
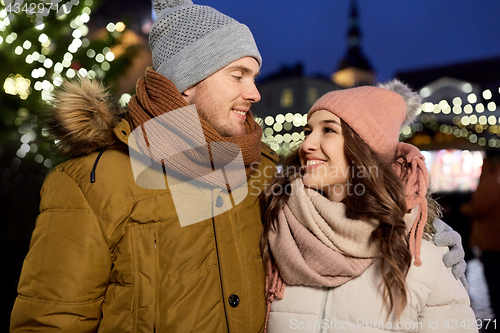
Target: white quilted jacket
x,y
437,303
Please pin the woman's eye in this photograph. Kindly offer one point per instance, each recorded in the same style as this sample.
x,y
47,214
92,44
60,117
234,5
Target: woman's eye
x,y
307,132
329,130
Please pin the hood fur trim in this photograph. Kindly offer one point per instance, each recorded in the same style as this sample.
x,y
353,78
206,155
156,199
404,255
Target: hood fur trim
x,y
412,99
81,117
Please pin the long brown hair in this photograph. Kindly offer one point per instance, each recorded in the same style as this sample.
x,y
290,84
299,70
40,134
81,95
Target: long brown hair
x,y
383,199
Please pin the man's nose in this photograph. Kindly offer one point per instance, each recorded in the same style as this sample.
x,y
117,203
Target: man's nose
x,y
252,93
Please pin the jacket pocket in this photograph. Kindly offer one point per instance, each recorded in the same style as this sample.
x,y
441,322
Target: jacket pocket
x,y
117,309
145,263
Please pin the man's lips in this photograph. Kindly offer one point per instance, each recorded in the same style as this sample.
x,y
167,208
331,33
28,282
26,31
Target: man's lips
x,y
240,113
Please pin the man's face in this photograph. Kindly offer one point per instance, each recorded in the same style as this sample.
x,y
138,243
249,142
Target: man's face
x,y
224,98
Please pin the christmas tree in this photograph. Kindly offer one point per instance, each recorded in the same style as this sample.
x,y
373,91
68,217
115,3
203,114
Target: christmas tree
x,y
42,43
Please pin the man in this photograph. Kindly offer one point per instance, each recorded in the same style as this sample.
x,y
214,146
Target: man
x,y
108,255
117,250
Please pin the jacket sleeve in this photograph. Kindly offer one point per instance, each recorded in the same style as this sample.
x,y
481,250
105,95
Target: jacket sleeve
x,y
447,308
66,272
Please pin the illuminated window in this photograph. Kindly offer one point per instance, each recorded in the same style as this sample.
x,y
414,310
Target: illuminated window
x,y
286,98
312,95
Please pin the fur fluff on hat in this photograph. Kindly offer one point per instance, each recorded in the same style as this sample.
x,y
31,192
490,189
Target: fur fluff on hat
x,y
412,99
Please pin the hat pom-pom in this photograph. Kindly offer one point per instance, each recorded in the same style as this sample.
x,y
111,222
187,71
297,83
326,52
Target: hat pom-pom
x,y
159,5
412,99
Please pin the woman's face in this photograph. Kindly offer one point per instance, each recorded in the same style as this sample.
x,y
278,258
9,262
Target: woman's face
x,y
322,156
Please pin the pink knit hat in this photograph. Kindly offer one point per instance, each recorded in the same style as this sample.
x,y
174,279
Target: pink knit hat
x,y
377,115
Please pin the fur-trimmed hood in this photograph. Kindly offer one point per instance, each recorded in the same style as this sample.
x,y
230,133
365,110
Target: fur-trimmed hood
x,y
82,116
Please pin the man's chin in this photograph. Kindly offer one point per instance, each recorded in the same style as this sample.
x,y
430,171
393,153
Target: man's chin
x,y
228,132
240,132
236,130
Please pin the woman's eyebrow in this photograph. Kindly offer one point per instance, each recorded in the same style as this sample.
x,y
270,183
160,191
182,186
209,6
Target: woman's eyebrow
x,y
330,121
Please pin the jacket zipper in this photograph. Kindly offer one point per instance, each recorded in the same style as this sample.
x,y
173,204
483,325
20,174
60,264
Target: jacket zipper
x,y
157,307
220,275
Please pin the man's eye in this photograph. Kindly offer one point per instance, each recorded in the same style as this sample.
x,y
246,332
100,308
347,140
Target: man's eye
x,y
237,75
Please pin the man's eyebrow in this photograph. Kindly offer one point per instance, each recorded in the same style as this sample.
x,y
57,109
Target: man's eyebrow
x,y
244,69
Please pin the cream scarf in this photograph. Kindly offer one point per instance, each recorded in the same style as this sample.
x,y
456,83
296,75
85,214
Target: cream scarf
x,y
315,244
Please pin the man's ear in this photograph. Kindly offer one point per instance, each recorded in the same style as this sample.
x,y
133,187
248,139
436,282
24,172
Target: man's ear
x,y
189,94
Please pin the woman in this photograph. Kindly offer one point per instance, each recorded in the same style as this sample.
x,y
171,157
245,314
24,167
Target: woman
x,y
346,225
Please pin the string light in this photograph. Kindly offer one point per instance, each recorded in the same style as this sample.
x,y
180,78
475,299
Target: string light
x,y
105,66
124,99
84,18
472,98
43,38
120,26
110,56
48,63
110,27
70,73
83,29
83,72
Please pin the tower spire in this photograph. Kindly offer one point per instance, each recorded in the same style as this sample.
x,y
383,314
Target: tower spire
x,y
354,35
354,69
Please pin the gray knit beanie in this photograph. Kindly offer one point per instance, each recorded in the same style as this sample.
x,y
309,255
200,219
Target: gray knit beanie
x,y
191,42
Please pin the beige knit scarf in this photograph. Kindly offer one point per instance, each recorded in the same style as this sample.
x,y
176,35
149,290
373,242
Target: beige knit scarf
x,y
178,146
315,244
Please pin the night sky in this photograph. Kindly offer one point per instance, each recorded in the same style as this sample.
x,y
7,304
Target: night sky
x,y
397,35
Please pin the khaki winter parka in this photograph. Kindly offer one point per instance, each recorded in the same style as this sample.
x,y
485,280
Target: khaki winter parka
x,y
111,256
